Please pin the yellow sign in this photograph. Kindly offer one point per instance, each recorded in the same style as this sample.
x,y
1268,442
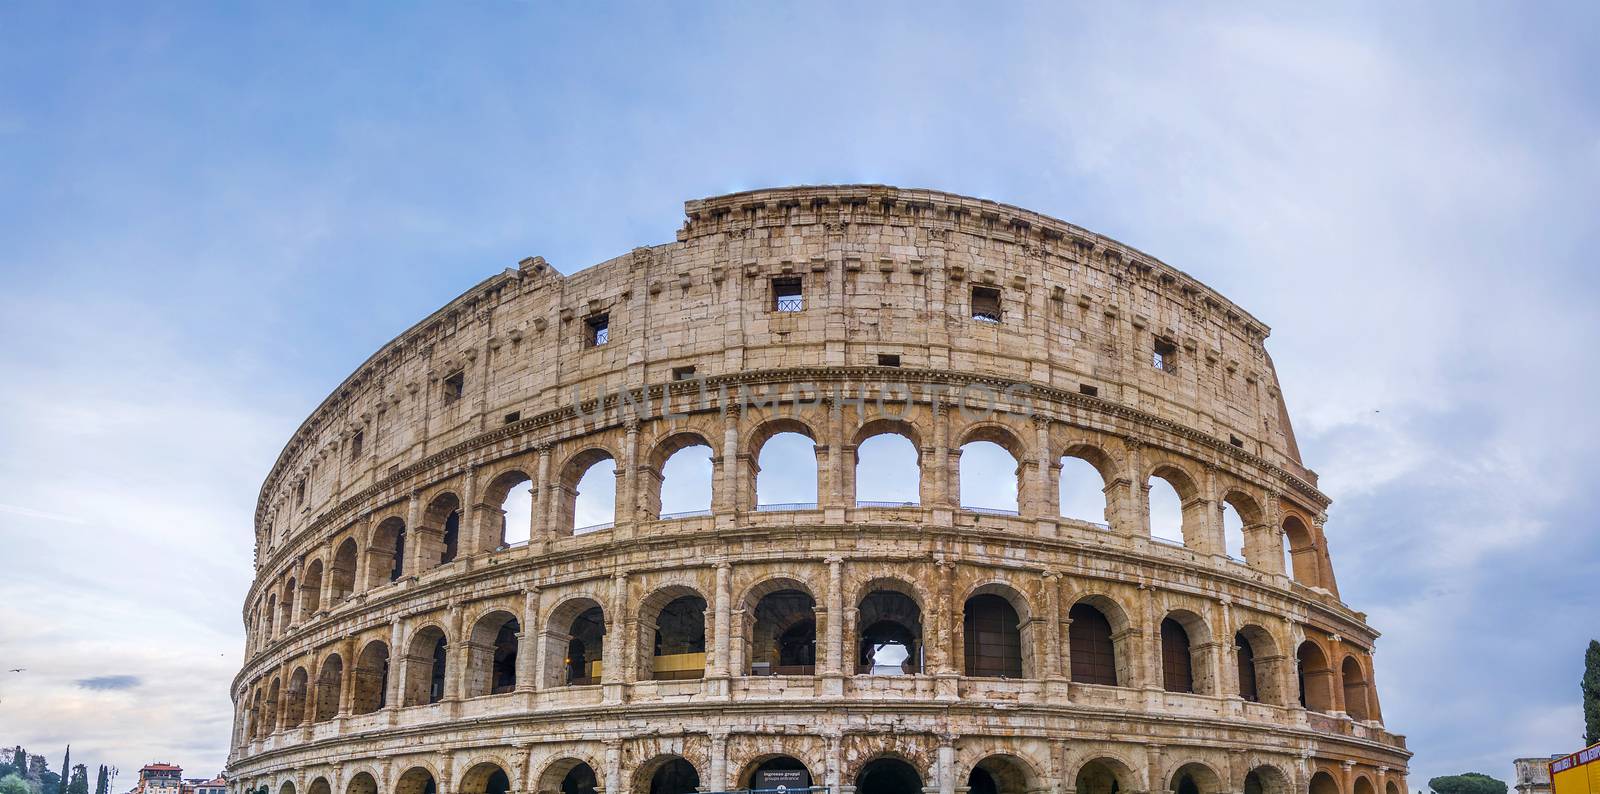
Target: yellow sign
x,y
1578,773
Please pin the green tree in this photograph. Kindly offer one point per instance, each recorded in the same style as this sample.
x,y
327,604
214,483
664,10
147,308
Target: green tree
x,y
102,781
66,769
79,781
1467,783
1591,694
15,784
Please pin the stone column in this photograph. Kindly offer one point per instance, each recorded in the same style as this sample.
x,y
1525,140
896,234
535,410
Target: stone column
x,y
733,491
722,628
946,614
613,771
937,469
1054,671
834,496
418,543
392,690
626,512
456,661
612,669
543,517
1047,495
1136,505
834,663
947,764
719,761
528,656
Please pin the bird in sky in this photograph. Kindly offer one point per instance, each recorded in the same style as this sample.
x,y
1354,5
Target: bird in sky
x,y
18,669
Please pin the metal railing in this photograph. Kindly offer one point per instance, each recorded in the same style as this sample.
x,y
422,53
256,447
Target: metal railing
x,y
866,503
517,545
779,507
594,528
790,303
985,317
684,514
990,511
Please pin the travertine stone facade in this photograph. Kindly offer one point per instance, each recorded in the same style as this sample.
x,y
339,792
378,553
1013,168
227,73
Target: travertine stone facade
x,y
398,642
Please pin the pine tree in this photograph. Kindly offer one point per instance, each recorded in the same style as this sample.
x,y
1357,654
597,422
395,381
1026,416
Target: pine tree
x,y
80,780
66,769
1591,693
102,781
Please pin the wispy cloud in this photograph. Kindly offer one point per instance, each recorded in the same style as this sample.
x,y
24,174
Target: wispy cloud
x,y
105,683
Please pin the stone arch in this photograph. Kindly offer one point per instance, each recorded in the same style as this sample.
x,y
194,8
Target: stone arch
x,y
653,475
362,782
875,428
1391,788
1316,677
570,774
1002,773
491,653
672,633
295,698
417,780
1357,690
319,785
667,773
486,776
311,589
269,721
1099,641
343,570
1260,665
1323,783
1001,616
386,552
1007,440
290,589
330,685
440,533
574,642
1094,457
1303,561
1185,628
1267,779
889,615
1362,784
370,678
750,480
1194,777
270,614
774,762
496,531
889,773
427,665
1191,506
572,471
1105,774
779,634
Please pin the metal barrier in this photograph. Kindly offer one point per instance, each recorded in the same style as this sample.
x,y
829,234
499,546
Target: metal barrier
x,y
782,506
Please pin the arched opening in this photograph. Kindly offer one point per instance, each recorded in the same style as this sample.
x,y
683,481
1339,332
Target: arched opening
x,y
1364,786
416,780
1245,659
1195,778
1232,532
329,680
286,788
589,492
1316,678
1082,491
679,478
371,678
387,557
485,778
888,776
1177,674
311,590
1390,788
1266,780
580,779
575,644
1355,690
783,637
990,478
295,698
999,774
678,651
269,718
269,628
888,466
777,771
512,492
344,570
254,723
1166,511
992,637
1323,783
674,776
286,618
492,654
1299,552
1093,649
319,786
890,634
786,467
361,783
1101,776
426,661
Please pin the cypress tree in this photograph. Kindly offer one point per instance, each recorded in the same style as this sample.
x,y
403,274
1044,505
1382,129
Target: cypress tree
x,y
1591,693
80,780
102,781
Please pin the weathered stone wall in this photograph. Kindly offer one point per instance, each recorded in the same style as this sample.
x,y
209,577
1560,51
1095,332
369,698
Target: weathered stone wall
x,y
425,440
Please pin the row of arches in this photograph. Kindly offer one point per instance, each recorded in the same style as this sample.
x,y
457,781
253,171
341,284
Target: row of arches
x,y
1001,636
680,478
887,772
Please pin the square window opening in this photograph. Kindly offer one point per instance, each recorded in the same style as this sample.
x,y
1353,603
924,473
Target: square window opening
x,y
513,417
787,296
1236,441
357,441
597,330
1165,355
888,359
455,385
683,373
1086,389
986,304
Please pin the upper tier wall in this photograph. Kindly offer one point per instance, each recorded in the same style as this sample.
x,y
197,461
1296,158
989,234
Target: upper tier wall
x,y
883,271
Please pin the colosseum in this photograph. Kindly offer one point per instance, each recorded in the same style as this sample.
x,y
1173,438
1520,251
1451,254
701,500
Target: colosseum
x,y
540,542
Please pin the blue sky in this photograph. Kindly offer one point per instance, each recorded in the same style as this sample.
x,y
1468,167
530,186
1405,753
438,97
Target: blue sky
x,y
210,214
